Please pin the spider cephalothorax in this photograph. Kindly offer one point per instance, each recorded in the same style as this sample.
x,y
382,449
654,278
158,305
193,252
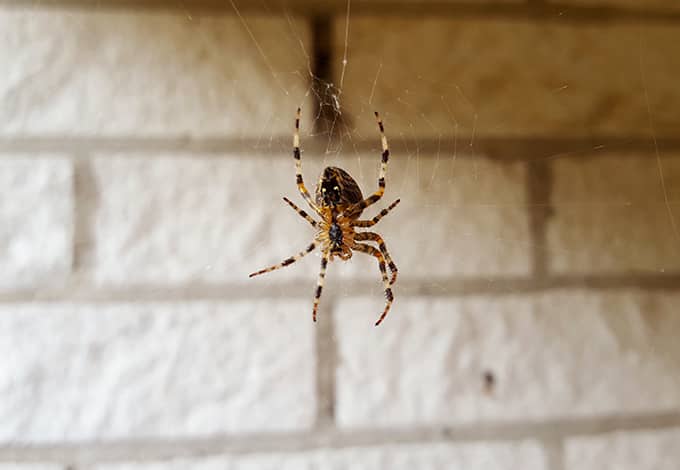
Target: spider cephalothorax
x,y
339,203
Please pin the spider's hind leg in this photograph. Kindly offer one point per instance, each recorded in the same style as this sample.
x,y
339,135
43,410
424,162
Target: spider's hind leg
x,y
383,271
363,236
319,284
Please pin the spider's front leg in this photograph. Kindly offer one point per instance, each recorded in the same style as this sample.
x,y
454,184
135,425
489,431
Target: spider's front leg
x,y
298,166
375,197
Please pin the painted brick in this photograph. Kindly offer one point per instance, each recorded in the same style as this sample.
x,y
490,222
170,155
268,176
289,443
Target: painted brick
x,y
487,456
36,221
30,466
142,73
509,77
645,450
177,219
458,216
656,5
554,355
611,215
85,372
174,220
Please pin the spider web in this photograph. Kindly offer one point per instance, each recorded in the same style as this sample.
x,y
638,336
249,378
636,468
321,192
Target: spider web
x,y
435,166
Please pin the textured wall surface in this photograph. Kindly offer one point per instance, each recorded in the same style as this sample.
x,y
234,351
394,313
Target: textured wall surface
x,y
144,152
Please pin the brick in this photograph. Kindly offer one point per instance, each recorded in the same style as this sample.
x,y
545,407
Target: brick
x,y
656,5
487,456
611,215
457,217
30,466
434,76
644,450
87,372
565,354
180,219
149,73
36,221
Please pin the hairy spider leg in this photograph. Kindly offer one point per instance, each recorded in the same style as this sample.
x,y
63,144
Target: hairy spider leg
x,y
375,197
286,262
381,264
302,213
363,236
376,219
319,284
298,166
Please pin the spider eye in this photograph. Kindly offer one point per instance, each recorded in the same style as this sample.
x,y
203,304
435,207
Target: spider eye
x,y
323,190
335,188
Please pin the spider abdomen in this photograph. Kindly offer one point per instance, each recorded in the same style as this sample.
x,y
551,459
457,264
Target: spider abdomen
x,y
337,189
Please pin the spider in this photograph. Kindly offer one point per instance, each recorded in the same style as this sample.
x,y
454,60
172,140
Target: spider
x,y
339,203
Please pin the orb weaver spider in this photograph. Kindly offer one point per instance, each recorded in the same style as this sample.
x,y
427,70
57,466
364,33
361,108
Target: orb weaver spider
x,y
339,203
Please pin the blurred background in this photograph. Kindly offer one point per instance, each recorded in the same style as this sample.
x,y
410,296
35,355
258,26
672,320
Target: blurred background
x,y
144,151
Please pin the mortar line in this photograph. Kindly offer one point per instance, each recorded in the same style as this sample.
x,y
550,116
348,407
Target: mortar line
x,y
81,223
545,11
497,148
80,291
539,189
326,355
84,453
554,449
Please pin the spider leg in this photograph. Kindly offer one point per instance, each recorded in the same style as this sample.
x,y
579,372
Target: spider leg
x,y
375,197
298,165
376,219
319,284
302,213
383,249
381,265
286,261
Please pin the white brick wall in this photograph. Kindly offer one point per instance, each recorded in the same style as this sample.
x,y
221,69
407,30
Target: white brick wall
x,y
143,156
486,456
644,450
556,355
578,80
79,372
176,219
30,466
135,73
640,235
36,221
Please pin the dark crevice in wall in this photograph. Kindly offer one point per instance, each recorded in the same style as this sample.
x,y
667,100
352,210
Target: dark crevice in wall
x,y
539,188
85,199
328,119
321,27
